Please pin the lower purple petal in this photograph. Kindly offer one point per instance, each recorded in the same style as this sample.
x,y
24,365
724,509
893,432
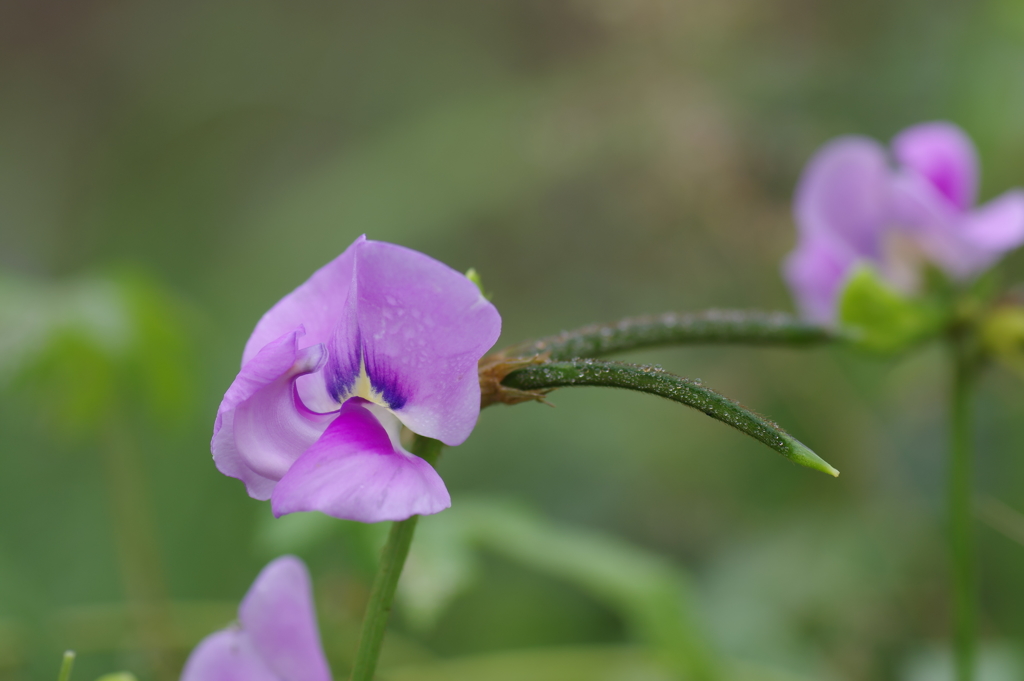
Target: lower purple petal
x,y
356,472
278,615
227,655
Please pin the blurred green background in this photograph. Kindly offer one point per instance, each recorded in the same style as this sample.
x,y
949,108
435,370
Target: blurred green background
x,y
169,170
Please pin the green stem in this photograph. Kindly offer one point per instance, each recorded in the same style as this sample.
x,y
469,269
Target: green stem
x,y
960,483
382,594
675,328
65,666
137,548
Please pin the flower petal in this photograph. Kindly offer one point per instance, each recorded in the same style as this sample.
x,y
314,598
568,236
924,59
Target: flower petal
x,y
262,426
962,244
227,655
998,226
815,272
424,327
278,615
943,154
355,471
843,194
318,304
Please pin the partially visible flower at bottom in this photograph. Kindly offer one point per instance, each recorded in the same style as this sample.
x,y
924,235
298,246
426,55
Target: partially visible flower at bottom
x,y
276,637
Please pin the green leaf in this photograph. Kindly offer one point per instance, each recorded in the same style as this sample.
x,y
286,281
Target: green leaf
x,y
540,378
878,318
118,676
675,328
650,593
84,346
568,663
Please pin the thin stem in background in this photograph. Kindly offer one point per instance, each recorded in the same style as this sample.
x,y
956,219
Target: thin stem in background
x,y
960,515
137,549
65,666
382,594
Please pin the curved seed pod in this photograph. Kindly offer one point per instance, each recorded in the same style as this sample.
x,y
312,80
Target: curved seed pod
x,y
539,379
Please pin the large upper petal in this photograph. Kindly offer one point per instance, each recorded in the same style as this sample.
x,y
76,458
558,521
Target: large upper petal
x,y
262,426
423,328
356,471
815,271
944,155
278,616
843,195
227,655
318,305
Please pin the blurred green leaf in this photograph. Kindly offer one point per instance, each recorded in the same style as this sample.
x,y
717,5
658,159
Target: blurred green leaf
x,y
83,347
649,592
880,319
118,676
1002,336
995,662
293,533
583,663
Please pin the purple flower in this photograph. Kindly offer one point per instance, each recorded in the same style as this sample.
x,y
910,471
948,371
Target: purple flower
x,y
853,205
276,638
380,337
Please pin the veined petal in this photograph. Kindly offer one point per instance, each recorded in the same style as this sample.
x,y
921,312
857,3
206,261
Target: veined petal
x,y
278,616
423,328
843,194
944,155
227,655
262,424
355,471
815,272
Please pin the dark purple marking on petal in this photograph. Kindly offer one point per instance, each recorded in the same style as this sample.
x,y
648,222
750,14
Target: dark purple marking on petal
x,y
344,365
385,380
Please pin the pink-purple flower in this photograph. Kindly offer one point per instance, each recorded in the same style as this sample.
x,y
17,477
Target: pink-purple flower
x,y
276,637
380,337
895,210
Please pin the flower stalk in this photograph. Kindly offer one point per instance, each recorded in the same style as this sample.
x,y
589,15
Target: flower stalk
x,y
960,519
137,549
382,593
732,327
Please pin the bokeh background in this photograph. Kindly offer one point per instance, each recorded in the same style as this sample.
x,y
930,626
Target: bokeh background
x,y
169,170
